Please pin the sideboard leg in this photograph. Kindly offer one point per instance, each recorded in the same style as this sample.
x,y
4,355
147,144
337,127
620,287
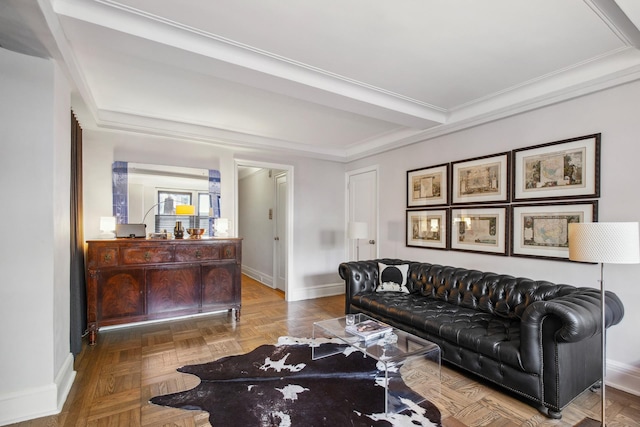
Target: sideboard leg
x,y
93,334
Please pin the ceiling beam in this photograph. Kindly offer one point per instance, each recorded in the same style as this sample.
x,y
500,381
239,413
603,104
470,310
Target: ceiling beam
x,y
261,69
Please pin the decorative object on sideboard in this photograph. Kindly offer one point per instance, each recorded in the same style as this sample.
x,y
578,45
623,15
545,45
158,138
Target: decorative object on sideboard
x,y
221,227
604,243
178,231
107,227
187,210
195,233
357,231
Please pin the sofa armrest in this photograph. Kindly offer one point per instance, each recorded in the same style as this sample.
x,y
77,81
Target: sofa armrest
x,y
577,315
360,276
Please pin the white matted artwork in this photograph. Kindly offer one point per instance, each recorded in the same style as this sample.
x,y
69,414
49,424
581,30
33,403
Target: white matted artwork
x,y
542,231
481,180
428,186
482,230
565,169
427,228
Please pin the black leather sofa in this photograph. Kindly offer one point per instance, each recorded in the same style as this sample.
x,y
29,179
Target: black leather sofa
x,y
537,339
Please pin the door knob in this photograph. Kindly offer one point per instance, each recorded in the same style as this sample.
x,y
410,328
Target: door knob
x,y
276,238
372,242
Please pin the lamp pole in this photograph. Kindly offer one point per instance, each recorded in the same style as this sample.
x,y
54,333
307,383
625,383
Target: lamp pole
x,y
604,242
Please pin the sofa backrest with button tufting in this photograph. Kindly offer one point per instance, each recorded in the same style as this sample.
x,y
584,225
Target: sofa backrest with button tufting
x,y
498,294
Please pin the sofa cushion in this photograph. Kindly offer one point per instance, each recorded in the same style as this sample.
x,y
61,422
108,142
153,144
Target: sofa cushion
x,y
495,337
392,278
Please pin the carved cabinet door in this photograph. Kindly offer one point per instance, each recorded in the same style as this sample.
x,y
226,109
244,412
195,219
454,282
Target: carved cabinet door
x,y
218,283
173,288
120,293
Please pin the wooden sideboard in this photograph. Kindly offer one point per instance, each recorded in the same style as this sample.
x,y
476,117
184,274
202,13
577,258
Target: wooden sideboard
x,y
133,280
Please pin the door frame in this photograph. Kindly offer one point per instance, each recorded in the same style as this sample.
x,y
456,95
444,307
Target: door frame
x,y
288,170
276,192
348,175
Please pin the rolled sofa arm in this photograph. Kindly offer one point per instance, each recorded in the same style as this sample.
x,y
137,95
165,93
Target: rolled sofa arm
x,y
579,318
579,313
361,276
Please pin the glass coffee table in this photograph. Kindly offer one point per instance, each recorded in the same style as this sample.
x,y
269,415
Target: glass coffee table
x,y
416,359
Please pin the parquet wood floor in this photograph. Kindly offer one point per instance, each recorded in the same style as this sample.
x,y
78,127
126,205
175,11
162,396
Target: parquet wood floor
x,y
116,378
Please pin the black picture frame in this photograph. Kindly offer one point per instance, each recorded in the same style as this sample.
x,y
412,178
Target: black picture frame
x,y
428,186
540,230
567,169
427,228
480,229
481,180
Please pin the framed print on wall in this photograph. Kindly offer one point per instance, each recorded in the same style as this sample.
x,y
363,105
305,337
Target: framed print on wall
x,y
565,169
481,180
542,231
481,230
428,186
427,228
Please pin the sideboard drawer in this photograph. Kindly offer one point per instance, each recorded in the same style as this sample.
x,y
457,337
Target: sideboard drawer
x,y
228,252
147,254
107,257
188,253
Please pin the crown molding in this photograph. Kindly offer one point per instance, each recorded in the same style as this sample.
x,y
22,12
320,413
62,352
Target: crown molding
x,y
604,73
623,69
417,122
162,127
311,83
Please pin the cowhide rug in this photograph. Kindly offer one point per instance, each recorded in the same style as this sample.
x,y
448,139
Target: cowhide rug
x,y
279,385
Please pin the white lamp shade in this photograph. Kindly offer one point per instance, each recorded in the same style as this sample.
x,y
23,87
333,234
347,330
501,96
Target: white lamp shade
x,y
107,223
357,230
604,242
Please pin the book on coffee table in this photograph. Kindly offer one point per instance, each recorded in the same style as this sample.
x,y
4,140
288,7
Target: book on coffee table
x,y
368,329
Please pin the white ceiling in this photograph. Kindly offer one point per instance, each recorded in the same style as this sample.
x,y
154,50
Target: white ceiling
x,y
335,79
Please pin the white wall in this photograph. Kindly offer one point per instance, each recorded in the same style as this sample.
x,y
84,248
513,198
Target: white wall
x,y
614,113
319,227
36,365
255,198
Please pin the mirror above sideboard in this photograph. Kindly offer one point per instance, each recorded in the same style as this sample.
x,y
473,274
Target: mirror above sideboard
x,y
149,184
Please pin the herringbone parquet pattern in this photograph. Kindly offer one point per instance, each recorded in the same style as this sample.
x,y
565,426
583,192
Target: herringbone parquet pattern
x,y
116,378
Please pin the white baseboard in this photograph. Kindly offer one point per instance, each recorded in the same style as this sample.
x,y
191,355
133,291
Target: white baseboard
x,y
315,292
623,377
259,276
38,402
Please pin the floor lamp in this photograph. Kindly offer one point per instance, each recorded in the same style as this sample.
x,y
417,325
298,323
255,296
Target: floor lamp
x,y
357,231
604,243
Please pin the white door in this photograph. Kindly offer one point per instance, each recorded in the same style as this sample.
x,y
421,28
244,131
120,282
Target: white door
x,y
280,239
363,207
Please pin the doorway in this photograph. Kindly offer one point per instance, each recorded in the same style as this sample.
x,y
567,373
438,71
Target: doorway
x,y
264,214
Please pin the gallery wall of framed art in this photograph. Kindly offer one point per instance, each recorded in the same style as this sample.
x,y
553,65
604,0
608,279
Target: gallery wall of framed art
x,y
516,203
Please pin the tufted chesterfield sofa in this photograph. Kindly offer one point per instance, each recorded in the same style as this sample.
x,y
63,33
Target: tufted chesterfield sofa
x,y
537,339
